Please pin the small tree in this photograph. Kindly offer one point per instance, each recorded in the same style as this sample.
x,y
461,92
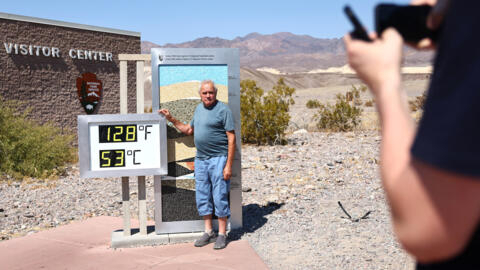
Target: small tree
x,y
265,116
251,108
313,104
343,116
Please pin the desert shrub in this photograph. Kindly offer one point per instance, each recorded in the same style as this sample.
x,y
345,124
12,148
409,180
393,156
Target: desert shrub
x,y
354,94
30,149
344,115
417,103
313,104
265,115
369,103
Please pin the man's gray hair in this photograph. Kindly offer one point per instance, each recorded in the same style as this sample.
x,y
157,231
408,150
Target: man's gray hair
x,y
207,82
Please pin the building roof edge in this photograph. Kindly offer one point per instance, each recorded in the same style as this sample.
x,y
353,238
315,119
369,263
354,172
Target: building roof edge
x,y
67,24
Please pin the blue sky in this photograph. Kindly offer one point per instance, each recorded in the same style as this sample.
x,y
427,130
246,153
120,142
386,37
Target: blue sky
x,y
175,21
183,73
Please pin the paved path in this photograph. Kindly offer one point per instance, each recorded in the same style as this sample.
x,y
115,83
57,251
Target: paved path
x,y
86,245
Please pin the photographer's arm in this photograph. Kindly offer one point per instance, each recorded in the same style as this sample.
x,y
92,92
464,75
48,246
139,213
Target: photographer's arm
x,y
426,221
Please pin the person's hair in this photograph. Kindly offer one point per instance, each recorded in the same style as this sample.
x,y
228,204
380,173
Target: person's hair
x,y
207,82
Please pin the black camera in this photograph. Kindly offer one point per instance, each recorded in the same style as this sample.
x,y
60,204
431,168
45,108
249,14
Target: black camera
x,y
409,21
359,31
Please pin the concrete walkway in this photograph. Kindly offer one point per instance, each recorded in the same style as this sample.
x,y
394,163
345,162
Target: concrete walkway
x,y
86,245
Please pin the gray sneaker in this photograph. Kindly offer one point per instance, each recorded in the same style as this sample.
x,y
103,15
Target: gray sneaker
x,y
221,242
205,240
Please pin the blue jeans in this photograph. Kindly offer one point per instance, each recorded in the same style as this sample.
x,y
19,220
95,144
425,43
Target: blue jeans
x,y
211,188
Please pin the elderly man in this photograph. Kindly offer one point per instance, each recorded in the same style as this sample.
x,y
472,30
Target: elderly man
x,y
214,137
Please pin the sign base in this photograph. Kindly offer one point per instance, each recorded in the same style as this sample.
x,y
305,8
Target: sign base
x,y
119,240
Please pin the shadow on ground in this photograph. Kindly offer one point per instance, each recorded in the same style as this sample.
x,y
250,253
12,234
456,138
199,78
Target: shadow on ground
x,y
254,217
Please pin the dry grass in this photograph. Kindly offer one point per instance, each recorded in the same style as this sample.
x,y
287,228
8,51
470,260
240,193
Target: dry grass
x,y
370,121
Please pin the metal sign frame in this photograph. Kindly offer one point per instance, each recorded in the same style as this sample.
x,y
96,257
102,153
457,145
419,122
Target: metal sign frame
x,y
191,56
84,121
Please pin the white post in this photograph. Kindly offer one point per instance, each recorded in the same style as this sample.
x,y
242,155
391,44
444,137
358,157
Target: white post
x,y
125,181
123,87
142,190
140,87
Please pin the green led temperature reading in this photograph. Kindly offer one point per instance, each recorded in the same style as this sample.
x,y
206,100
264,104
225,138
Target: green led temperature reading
x,y
117,133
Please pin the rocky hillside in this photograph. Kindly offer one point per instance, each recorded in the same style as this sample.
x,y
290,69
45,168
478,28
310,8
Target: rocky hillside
x,y
285,51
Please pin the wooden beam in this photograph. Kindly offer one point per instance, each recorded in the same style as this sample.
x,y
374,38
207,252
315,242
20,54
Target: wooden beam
x,y
134,57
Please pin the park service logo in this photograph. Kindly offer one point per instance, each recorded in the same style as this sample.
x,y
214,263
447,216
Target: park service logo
x,y
89,90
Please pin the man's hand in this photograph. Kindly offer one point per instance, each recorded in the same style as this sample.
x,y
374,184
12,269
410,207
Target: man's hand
x,y
166,113
227,172
377,63
184,128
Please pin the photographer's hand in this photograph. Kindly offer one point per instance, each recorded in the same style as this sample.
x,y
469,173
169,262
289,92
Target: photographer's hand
x,y
434,20
377,63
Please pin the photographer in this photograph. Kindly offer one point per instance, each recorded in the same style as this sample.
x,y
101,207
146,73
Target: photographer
x,y
431,178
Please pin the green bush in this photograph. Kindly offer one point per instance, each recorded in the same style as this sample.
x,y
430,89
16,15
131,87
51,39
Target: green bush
x,y
30,149
313,104
343,116
265,115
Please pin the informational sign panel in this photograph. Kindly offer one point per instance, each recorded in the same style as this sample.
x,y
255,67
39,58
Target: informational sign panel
x,y
122,145
178,87
176,77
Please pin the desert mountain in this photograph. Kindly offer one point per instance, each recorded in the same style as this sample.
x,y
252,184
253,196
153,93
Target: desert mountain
x,y
286,52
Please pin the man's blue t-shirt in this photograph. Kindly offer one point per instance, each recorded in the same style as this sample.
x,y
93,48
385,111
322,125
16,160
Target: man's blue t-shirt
x,y
210,126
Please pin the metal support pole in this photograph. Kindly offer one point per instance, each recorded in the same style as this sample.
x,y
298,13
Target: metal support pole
x,y
157,190
126,206
142,205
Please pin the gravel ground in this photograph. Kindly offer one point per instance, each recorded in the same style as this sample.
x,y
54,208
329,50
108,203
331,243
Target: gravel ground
x,y
297,188
290,203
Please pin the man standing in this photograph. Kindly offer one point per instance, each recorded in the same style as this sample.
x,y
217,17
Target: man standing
x,y
214,137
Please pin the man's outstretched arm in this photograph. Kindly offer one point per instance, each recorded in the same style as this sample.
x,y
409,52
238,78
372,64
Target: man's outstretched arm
x,y
184,128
